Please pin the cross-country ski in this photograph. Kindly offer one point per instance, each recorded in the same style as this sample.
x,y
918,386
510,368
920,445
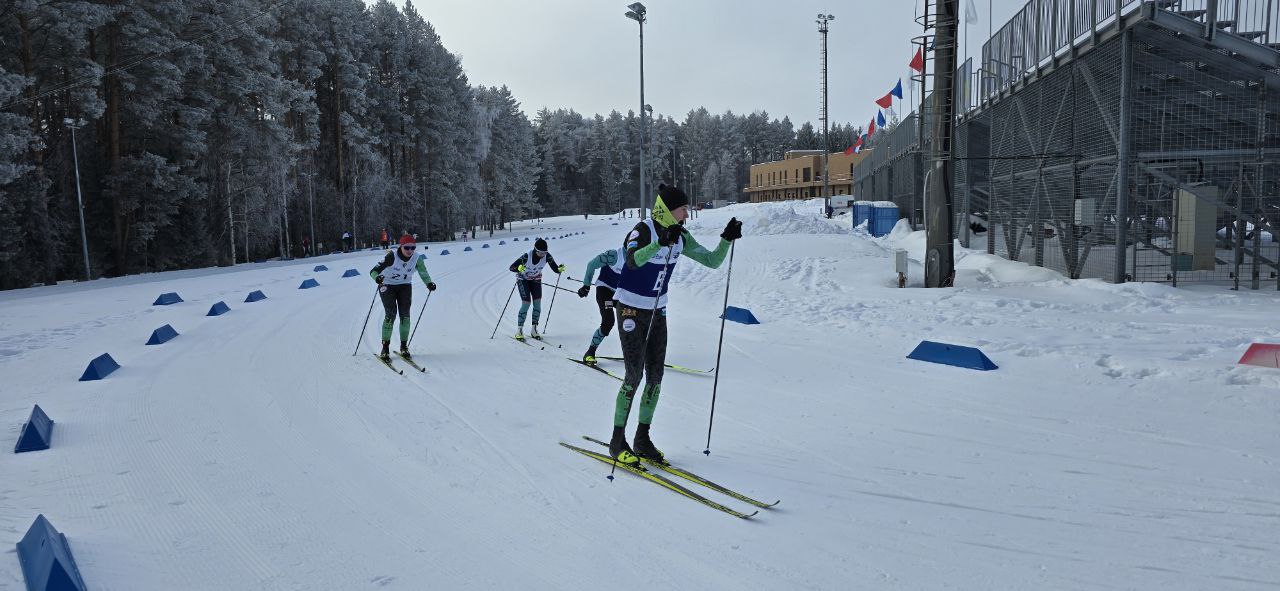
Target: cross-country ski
x,y
659,480
671,366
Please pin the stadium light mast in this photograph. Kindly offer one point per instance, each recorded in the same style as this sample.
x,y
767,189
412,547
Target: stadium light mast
x,y
822,21
636,12
73,125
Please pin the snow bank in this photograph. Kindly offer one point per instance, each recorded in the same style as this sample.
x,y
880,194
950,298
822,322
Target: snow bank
x,y
973,267
770,219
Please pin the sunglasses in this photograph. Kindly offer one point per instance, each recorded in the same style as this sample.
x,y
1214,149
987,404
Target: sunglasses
x,y
409,246
539,251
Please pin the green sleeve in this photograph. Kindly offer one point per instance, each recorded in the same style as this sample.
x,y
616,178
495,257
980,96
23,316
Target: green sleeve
x,y
708,258
422,270
604,259
641,255
377,269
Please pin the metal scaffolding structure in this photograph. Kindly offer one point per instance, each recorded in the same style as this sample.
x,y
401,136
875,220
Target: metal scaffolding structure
x,y
1123,140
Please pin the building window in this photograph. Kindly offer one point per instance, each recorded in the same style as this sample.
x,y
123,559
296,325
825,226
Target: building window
x,y
807,172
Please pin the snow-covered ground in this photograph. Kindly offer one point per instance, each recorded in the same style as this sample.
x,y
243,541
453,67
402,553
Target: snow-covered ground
x,y
1117,447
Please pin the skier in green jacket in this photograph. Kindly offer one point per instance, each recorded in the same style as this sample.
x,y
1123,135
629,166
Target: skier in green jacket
x,y
650,252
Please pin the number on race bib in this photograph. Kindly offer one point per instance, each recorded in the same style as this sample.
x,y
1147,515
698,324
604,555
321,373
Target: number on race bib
x,y
657,286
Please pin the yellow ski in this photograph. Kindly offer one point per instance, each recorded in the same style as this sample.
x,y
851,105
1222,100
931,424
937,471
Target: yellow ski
x,y
691,477
663,482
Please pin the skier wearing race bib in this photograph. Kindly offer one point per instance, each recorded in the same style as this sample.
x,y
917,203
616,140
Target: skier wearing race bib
x,y
650,253
609,263
528,270
394,276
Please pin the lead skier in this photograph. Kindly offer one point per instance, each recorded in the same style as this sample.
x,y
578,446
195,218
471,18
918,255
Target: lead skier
x,y
650,253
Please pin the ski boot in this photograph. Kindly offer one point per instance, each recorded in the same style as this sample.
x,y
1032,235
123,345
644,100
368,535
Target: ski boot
x,y
520,334
620,451
386,351
644,447
535,334
589,358
404,350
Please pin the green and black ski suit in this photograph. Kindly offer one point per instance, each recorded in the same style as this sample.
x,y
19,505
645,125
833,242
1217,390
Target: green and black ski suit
x,y
642,288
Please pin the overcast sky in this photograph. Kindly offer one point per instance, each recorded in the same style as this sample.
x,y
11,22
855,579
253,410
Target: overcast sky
x,y
743,55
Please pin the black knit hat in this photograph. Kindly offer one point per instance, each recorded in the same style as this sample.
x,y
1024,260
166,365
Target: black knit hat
x,y
540,244
672,197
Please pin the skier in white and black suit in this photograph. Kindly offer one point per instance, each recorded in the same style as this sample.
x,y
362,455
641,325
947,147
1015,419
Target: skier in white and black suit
x,y
528,269
394,276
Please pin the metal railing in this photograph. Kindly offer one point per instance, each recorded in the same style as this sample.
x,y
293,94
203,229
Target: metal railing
x,y
1041,30
1044,29
1256,20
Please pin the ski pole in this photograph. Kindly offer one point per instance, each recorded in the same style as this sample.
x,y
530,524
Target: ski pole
x,y
547,324
415,324
719,347
366,321
554,286
504,309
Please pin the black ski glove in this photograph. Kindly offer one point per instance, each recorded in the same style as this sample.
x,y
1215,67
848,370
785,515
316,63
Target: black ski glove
x,y
378,280
583,291
431,286
732,230
669,235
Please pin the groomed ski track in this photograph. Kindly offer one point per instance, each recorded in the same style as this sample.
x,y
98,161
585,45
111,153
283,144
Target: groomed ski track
x,y
255,451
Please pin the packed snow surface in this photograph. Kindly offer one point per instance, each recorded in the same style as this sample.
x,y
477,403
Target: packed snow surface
x,y
1117,447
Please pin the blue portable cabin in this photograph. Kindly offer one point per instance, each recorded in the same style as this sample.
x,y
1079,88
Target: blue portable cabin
x,y
884,216
861,212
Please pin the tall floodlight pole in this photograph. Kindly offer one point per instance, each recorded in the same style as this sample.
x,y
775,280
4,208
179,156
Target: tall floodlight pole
x,y
311,206
636,12
822,21
73,125
939,268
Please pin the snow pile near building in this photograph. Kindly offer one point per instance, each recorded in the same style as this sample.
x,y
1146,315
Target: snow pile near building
x,y
770,219
973,267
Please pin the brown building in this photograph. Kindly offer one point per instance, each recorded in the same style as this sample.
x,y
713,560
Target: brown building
x,y
799,176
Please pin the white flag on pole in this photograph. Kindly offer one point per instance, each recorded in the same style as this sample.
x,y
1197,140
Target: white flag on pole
x,y
970,12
